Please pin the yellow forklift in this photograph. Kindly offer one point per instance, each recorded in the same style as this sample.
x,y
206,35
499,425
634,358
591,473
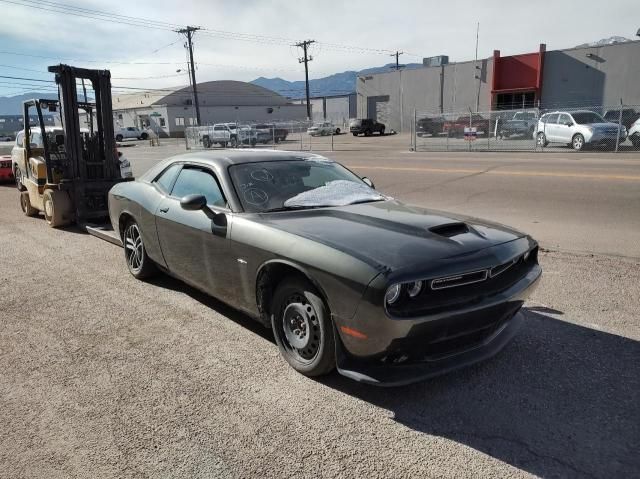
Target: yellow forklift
x,y
68,172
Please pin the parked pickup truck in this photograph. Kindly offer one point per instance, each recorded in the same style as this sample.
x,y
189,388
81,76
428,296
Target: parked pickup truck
x,y
456,128
220,133
523,123
268,132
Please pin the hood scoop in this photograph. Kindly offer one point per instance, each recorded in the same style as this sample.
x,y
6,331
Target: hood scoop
x,y
450,230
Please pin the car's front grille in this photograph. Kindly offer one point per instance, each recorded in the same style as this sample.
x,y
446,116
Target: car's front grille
x,y
457,291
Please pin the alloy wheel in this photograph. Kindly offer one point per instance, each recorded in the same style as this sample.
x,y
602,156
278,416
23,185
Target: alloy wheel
x,y
578,142
133,248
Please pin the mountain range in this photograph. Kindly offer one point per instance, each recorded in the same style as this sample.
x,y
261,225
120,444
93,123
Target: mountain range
x,y
336,84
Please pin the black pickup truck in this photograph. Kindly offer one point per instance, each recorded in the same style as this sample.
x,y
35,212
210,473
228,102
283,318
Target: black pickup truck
x,y
365,126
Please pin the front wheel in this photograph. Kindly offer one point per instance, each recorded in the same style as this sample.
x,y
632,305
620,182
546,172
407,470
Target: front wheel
x,y
381,131
138,262
541,140
25,204
355,134
17,174
57,208
118,138
144,136
635,140
302,327
577,142
337,131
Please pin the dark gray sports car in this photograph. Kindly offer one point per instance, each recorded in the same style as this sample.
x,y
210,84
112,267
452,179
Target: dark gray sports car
x,y
346,277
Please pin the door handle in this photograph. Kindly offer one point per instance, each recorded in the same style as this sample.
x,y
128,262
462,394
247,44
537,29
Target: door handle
x,y
164,210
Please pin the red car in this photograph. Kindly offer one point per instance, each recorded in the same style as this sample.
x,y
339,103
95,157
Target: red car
x,y
6,174
456,128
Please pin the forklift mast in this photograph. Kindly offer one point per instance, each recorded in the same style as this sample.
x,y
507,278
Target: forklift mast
x,y
92,166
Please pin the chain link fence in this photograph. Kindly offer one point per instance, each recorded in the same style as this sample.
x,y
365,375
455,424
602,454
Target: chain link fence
x,y
288,135
603,128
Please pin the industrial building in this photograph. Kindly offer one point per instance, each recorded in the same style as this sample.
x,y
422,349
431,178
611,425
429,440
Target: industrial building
x,y
168,111
578,77
337,109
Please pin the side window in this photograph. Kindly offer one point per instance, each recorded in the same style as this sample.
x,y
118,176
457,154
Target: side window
x,y
194,181
552,119
564,119
166,179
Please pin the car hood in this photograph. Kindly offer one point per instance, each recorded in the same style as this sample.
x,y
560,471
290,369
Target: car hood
x,y
601,126
390,234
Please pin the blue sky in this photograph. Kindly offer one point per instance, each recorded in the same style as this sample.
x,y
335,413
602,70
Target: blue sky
x,y
420,28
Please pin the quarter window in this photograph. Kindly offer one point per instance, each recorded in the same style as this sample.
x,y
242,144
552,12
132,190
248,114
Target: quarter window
x,y
166,179
195,181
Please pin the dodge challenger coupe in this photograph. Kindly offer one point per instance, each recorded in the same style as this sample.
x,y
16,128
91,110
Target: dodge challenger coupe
x,y
346,277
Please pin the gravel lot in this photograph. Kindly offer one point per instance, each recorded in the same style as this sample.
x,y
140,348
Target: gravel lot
x,y
106,376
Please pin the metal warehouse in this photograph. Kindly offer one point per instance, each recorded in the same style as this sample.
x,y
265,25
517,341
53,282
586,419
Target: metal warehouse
x,y
169,111
586,77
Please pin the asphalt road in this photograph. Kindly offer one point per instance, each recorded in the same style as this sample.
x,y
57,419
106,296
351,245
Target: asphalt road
x,y
106,376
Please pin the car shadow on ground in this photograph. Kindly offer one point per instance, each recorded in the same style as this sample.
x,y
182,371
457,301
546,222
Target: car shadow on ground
x,y
561,400
168,282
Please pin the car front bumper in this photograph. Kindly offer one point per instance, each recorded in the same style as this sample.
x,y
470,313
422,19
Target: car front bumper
x,y
401,351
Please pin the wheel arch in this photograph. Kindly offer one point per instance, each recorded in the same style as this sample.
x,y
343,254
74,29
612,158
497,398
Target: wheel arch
x,y
270,275
123,218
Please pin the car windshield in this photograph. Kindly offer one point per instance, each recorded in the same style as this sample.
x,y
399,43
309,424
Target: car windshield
x,y
524,116
587,117
298,184
355,122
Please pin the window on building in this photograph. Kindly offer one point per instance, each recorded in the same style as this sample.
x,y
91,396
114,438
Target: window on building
x,y
119,116
162,122
179,121
188,101
192,121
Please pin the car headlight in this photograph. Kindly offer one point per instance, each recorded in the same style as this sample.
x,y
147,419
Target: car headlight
x,y
393,294
414,289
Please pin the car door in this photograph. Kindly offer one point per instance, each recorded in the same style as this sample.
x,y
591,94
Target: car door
x,y
564,128
191,249
550,127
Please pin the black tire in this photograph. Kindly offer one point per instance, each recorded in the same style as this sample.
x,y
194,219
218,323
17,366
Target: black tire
x,y
577,142
17,176
367,133
135,253
381,131
299,316
144,136
118,137
206,142
541,140
355,134
253,142
25,205
337,131
635,140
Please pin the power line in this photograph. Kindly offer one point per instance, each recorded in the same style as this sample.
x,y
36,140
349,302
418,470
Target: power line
x,y
397,55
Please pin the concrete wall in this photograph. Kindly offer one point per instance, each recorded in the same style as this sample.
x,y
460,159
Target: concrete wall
x,y
430,89
570,78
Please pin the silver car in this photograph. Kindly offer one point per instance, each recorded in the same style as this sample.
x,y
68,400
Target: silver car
x,y
577,129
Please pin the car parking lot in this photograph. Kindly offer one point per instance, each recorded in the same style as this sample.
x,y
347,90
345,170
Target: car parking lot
x,y
108,376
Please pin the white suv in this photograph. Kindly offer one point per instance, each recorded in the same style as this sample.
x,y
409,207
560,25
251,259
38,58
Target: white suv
x,y
577,129
634,133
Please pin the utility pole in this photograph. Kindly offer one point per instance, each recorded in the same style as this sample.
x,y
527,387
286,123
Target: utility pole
x,y
188,32
306,59
397,55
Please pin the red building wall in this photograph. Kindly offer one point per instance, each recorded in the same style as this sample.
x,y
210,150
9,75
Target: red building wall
x,y
517,73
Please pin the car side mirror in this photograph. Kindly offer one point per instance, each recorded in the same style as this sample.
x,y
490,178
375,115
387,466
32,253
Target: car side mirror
x,y
193,202
368,182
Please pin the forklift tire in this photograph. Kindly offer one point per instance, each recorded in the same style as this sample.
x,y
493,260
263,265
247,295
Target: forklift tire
x,y
25,204
57,208
135,253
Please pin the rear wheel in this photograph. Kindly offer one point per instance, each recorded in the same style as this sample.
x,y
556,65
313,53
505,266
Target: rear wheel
x,y
337,131
118,137
57,208
635,140
25,204
206,142
367,133
577,142
139,264
144,136
302,327
355,134
381,131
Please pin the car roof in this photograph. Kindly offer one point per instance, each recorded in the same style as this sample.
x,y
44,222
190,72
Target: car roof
x,y
224,158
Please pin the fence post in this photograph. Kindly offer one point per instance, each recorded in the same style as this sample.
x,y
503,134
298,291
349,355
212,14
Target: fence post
x,y
489,132
415,129
332,131
300,130
619,127
273,136
469,141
